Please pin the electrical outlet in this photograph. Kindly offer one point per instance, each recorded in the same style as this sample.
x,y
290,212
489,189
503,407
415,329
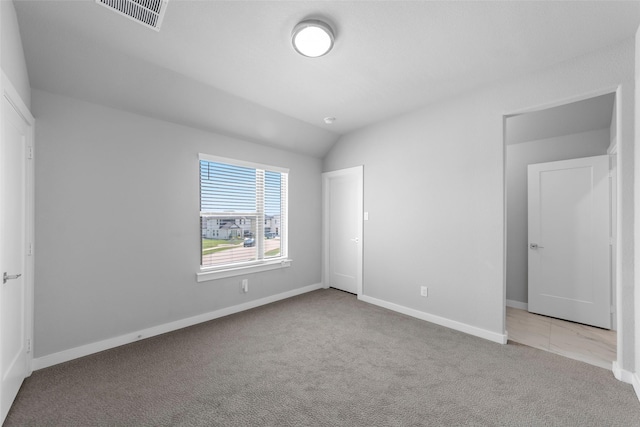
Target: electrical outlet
x,y
245,285
424,291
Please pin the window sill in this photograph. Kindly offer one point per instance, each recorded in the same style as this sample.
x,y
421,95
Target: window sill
x,y
206,275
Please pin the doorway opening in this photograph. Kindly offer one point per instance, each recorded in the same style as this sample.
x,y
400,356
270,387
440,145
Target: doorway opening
x,y
547,138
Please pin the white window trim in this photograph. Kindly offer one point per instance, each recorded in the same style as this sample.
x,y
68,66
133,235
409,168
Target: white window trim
x,y
221,272
239,270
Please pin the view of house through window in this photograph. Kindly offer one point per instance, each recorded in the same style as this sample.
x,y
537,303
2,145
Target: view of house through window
x,y
242,212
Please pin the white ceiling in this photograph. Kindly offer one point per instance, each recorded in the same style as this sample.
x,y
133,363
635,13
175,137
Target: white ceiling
x,y
576,117
229,65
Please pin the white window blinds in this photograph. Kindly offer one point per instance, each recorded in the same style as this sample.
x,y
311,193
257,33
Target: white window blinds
x,y
243,212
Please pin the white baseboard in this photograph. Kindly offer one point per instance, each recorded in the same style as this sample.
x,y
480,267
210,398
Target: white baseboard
x,y
85,350
517,304
442,321
621,374
627,377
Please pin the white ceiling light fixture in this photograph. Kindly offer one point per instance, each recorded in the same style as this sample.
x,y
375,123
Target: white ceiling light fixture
x,y
312,38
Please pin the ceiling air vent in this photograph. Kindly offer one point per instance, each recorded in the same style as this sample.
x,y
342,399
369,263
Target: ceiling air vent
x,y
147,12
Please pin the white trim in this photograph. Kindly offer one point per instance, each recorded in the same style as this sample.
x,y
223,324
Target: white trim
x,y
260,264
618,285
205,275
242,163
358,172
635,380
517,304
503,221
613,227
442,321
567,100
622,375
87,349
12,96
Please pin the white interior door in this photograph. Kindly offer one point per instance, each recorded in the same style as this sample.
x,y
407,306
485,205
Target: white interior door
x,y
569,240
14,284
343,229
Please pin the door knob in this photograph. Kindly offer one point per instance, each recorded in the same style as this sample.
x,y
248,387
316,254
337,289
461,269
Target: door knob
x,y
6,277
535,246
355,239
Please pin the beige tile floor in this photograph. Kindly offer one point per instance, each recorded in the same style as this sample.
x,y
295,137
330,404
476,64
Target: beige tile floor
x,y
574,340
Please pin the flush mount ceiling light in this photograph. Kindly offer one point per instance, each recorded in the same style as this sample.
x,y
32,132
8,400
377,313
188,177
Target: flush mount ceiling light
x,y
312,38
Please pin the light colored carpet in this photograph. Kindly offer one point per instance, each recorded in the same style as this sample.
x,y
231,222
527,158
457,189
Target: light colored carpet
x,y
323,359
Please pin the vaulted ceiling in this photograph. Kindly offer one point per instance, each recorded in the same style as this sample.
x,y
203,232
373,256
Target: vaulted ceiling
x,y
228,66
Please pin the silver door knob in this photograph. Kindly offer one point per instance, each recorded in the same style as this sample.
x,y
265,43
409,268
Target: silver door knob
x,y
535,246
6,277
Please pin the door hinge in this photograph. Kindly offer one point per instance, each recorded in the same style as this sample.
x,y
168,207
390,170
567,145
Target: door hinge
x,y
30,152
613,310
28,345
30,249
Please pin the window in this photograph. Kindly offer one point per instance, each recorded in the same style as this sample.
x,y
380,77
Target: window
x,y
243,216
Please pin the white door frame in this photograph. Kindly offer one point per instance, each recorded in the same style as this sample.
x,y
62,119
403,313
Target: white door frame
x,y
10,93
618,284
357,172
613,182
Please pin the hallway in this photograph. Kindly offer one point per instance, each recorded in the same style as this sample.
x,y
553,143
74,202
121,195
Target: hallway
x,y
573,340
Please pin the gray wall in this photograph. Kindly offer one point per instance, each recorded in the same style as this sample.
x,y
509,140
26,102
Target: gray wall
x,y
12,58
584,144
437,175
117,223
